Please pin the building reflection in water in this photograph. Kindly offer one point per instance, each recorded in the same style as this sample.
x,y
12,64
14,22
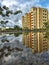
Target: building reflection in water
x,y
37,41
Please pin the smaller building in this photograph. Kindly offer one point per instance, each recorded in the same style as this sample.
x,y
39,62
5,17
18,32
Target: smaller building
x,y
26,21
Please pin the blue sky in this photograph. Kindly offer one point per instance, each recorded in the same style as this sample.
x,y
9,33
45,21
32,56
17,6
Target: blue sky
x,y
23,5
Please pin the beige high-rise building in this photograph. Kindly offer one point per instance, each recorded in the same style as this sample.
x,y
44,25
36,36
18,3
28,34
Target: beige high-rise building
x,y
35,18
39,16
26,21
48,18
48,15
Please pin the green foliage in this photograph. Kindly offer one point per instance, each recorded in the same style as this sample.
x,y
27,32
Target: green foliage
x,y
3,23
6,8
46,35
46,25
16,27
6,22
16,34
17,12
7,14
0,12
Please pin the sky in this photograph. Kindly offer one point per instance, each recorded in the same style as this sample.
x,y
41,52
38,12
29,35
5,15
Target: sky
x,y
24,6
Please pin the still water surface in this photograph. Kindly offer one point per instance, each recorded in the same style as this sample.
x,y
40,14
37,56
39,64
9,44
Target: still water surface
x,y
27,48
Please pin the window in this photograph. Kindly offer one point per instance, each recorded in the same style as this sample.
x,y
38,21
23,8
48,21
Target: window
x,y
43,13
43,16
45,10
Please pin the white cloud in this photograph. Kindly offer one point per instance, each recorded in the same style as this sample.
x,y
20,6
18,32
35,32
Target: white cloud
x,y
38,5
20,23
10,23
9,3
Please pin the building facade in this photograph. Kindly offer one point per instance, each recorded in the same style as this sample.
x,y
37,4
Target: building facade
x,y
26,21
36,41
36,18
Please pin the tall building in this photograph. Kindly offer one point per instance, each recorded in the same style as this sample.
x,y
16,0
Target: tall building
x,y
48,18
39,16
48,15
36,41
26,21
35,18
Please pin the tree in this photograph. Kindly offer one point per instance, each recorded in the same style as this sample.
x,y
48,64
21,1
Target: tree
x,y
17,27
46,25
3,22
